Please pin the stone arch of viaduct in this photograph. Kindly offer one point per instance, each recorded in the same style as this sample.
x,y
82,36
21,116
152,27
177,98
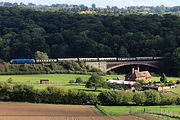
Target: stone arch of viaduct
x,y
108,66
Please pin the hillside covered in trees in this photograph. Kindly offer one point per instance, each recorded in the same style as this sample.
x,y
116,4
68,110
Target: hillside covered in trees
x,y
65,34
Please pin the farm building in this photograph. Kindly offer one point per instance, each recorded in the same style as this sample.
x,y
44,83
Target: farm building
x,y
138,75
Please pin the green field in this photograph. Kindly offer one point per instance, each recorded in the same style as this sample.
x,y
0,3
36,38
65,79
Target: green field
x,y
123,110
176,90
64,78
61,80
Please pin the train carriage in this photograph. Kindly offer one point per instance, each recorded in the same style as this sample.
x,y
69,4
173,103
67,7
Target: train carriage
x,y
46,60
88,59
67,59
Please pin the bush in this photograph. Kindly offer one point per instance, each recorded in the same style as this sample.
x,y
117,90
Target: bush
x,y
127,97
5,90
53,95
115,86
139,98
96,81
153,97
178,101
137,86
92,99
79,80
110,98
71,81
168,98
22,93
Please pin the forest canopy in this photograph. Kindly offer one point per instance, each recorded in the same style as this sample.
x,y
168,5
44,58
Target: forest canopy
x,y
63,34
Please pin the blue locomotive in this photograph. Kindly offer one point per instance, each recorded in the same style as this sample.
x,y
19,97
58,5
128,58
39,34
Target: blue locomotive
x,y
23,61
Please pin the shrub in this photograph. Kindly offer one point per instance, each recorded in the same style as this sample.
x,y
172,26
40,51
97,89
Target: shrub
x,y
79,80
71,81
153,97
110,98
92,99
127,97
137,86
139,98
53,95
22,93
163,78
96,81
178,101
168,98
115,86
5,90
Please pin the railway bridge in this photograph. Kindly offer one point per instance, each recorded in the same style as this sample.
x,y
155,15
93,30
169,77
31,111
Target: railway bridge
x,y
110,65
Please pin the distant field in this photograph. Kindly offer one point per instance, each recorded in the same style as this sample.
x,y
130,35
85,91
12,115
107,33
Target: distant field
x,y
123,110
168,78
64,78
176,90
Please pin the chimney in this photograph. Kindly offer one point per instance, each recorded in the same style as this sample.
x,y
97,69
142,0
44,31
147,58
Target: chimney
x,y
138,69
132,70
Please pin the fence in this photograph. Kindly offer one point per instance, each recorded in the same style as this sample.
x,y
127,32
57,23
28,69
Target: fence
x,y
168,113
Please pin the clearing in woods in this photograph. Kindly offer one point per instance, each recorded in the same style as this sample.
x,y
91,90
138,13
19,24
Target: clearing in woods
x,y
22,111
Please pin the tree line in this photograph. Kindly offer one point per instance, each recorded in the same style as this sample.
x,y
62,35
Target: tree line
x,y
53,95
24,31
108,10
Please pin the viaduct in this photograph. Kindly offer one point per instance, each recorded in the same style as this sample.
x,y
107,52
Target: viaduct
x,y
110,65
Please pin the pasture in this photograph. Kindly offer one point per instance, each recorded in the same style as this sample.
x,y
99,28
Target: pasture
x,y
62,80
123,110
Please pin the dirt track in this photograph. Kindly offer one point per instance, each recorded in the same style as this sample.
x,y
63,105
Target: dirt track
x,y
9,111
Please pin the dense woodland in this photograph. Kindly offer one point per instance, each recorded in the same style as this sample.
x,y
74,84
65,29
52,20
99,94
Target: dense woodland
x,y
24,31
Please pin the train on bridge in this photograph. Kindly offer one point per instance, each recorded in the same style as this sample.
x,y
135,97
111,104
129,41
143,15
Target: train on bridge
x,y
108,59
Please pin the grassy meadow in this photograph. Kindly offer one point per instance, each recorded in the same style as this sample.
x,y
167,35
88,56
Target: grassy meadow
x,y
123,110
62,80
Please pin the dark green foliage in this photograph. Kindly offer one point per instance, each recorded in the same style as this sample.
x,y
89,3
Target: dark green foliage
x,y
96,81
137,86
41,55
139,98
53,95
71,81
61,67
63,34
92,99
79,80
115,86
5,90
153,97
163,78
22,93
110,98
168,98
127,97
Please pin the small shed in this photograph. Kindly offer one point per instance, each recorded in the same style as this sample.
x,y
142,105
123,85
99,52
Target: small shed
x,y
44,81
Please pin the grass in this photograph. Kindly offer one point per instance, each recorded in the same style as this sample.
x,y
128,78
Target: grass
x,y
64,78
123,110
75,87
168,78
176,90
